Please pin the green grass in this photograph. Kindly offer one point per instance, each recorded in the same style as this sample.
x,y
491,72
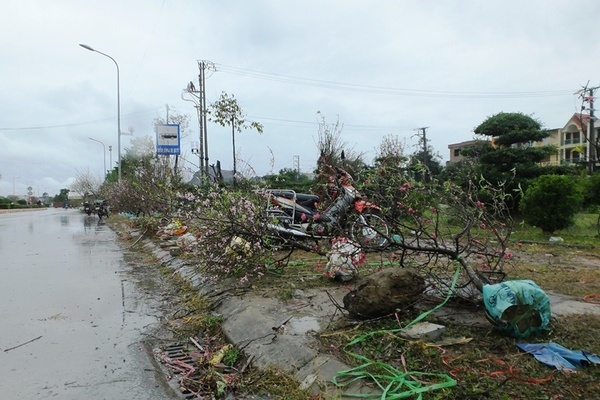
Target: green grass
x,y
585,231
489,366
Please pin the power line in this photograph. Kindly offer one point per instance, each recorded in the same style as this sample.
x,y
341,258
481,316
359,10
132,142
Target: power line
x,y
312,124
33,128
384,90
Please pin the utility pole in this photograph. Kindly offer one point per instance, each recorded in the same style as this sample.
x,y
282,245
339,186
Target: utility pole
x,y
233,145
592,134
197,147
423,136
202,65
297,166
592,138
199,100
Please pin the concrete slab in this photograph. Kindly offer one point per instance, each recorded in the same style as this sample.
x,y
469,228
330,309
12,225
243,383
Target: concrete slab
x,y
562,305
425,331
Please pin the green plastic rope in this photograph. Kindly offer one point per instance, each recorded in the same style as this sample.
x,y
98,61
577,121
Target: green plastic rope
x,y
394,383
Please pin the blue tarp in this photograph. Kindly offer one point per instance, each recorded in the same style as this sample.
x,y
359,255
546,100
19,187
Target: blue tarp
x,y
559,357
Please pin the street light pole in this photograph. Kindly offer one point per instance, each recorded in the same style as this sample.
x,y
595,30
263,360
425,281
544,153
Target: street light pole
x,y
85,46
14,190
110,153
103,152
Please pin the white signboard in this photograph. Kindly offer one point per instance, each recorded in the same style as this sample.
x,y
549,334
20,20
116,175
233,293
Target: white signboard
x,y
167,140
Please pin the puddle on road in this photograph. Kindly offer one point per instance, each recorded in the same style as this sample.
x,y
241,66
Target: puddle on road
x,y
302,325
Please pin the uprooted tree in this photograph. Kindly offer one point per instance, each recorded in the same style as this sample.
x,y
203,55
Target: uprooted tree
x,y
438,226
434,227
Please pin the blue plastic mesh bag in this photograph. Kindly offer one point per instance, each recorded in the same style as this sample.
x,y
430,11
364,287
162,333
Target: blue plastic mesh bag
x,y
519,308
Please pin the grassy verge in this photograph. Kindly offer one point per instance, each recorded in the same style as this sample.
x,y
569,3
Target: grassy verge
x,y
484,363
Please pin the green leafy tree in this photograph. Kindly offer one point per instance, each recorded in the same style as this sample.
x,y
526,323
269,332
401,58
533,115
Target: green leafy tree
x,y
288,178
5,202
62,196
139,147
512,151
590,186
510,156
424,165
551,202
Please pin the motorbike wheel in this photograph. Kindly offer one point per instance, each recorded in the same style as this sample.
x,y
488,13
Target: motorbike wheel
x,y
370,230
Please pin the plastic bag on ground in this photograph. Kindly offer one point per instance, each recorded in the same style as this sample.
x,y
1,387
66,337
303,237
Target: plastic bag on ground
x,y
519,308
343,260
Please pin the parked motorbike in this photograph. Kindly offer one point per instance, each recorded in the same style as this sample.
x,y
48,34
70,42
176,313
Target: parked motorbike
x,y
101,208
297,215
87,208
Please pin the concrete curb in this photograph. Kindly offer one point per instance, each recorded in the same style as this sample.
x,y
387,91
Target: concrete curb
x,y
252,325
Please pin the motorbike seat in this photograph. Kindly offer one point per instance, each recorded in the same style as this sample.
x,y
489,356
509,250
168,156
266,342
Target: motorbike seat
x,y
300,197
307,198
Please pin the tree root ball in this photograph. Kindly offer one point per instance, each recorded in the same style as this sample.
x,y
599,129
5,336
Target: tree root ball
x,y
384,292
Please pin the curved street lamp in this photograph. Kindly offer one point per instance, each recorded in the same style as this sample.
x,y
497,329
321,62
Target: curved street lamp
x,y
85,46
103,152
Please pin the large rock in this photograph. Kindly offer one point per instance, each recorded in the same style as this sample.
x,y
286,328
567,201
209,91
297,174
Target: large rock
x,y
384,292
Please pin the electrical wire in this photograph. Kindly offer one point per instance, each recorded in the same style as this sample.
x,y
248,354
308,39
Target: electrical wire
x,y
33,128
350,87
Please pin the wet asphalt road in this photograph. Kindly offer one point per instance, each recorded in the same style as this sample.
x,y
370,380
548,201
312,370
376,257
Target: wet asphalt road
x,y
71,319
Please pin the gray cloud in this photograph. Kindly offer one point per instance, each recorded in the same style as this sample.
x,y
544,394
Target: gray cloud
x,y
381,67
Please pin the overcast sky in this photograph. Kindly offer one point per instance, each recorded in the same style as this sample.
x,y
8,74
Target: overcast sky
x,y
377,67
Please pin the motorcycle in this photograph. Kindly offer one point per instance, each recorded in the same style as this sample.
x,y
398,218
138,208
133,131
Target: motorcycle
x,y
296,215
87,208
101,208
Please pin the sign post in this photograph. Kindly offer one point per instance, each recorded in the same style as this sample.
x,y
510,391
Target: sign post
x,y
167,140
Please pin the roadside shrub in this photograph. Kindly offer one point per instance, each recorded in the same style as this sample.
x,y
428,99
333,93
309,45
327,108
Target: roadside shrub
x,y
149,188
551,202
590,187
